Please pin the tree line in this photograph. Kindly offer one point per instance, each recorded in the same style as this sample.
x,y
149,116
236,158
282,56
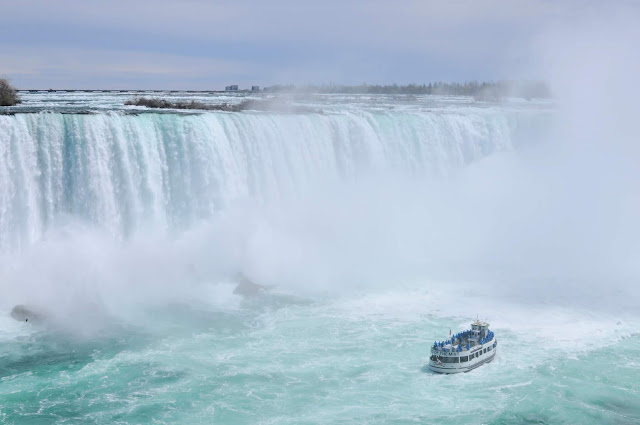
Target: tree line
x,y
479,90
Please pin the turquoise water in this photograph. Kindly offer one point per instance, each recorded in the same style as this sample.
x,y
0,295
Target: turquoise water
x,y
375,225
349,359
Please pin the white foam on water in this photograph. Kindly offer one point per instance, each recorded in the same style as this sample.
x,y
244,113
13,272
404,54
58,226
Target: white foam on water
x,y
11,329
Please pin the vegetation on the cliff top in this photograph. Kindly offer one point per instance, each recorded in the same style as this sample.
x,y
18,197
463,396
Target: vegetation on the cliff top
x,y
8,94
273,105
165,104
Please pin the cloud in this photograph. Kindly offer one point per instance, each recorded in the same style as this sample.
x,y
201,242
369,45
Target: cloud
x,y
303,41
370,23
34,67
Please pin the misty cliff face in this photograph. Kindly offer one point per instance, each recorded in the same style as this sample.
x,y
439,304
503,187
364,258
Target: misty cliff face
x,y
23,313
122,172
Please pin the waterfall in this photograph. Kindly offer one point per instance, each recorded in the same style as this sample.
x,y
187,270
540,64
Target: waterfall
x,y
120,171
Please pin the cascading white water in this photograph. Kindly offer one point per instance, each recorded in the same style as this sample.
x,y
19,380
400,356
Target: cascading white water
x,y
122,172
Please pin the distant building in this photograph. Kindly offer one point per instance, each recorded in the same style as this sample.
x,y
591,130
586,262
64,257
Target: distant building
x,y
255,88
231,88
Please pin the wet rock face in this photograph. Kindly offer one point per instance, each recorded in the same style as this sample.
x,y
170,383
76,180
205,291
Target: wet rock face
x,y
23,313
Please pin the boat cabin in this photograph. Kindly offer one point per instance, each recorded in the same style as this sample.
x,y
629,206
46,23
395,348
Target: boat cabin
x,y
464,351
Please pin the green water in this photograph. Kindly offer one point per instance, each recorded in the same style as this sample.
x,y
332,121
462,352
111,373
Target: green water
x,y
355,358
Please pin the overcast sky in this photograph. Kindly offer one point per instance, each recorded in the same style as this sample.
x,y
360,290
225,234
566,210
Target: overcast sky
x,y
207,44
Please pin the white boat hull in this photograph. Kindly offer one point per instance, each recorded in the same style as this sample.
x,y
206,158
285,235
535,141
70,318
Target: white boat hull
x,y
461,367
448,368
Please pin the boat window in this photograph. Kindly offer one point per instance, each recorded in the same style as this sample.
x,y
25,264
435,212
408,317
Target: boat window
x,y
433,358
464,359
477,354
456,359
489,348
485,350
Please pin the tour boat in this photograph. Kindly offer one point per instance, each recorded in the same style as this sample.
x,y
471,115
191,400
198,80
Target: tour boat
x,y
464,351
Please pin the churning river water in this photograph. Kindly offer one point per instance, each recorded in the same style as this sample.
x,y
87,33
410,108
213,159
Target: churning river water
x,y
374,224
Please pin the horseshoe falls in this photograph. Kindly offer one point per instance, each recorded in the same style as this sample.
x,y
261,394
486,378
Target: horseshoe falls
x,y
290,266
121,172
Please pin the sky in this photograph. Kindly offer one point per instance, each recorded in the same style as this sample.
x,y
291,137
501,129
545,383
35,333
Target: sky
x,y
206,44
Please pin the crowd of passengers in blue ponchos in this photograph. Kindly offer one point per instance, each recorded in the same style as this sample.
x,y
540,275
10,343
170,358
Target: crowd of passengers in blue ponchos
x,y
461,336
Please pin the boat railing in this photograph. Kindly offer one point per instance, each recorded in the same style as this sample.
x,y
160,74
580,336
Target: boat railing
x,y
455,344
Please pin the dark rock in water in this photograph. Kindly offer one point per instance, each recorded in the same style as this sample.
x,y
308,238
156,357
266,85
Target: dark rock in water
x,y
23,313
247,288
